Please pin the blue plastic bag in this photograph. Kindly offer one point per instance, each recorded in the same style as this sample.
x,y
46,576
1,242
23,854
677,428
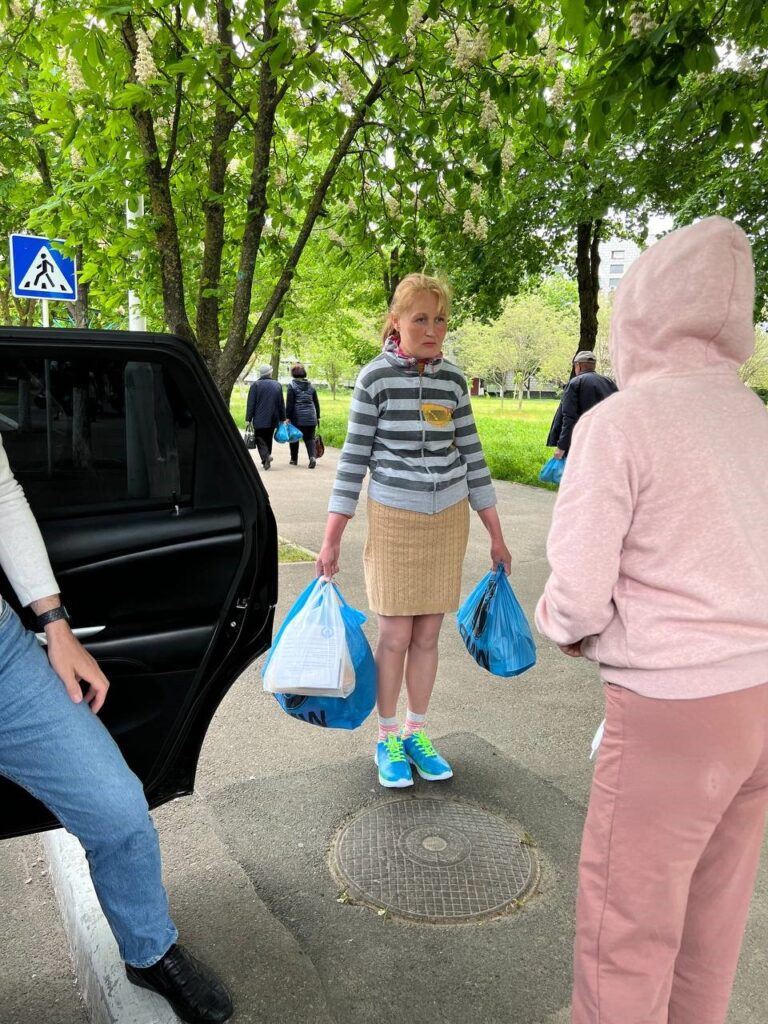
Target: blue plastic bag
x,y
494,628
552,471
335,712
287,432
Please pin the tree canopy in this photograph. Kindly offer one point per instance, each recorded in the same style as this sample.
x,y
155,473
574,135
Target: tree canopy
x,y
279,144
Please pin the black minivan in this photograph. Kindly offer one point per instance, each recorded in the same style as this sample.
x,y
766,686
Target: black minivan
x,y
158,528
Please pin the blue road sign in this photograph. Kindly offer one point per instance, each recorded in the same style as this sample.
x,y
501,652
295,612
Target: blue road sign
x,y
39,271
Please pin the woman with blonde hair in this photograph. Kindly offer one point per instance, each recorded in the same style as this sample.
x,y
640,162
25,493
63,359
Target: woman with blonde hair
x,y
411,425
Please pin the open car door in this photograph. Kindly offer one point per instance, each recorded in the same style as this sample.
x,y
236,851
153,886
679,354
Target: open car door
x,y
158,528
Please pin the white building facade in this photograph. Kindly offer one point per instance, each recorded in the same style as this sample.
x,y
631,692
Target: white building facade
x,y
616,257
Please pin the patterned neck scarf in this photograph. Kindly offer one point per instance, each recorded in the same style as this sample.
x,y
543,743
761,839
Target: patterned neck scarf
x,y
392,345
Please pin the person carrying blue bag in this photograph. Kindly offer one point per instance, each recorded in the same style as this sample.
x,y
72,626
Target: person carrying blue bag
x,y
494,628
411,425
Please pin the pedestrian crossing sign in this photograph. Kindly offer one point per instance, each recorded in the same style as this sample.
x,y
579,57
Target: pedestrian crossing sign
x,y
40,271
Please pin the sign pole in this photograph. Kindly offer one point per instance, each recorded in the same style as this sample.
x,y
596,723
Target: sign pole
x,y
48,397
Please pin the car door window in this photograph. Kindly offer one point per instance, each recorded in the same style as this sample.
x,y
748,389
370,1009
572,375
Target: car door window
x,y
87,434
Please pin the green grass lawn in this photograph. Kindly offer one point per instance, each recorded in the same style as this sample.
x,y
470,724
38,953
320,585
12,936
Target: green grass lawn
x,y
513,439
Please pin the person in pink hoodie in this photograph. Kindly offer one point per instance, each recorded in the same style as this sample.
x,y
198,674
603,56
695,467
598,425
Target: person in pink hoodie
x,y
659,572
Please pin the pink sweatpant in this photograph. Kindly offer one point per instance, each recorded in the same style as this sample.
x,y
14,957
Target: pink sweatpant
x,y
669,856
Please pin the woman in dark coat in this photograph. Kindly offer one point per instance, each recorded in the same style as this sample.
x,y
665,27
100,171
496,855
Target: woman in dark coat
x,y
303,410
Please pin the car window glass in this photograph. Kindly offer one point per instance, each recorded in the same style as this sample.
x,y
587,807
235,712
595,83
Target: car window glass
x,y
92,434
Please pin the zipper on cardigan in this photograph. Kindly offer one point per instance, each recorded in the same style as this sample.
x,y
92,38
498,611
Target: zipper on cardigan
x,y
424,439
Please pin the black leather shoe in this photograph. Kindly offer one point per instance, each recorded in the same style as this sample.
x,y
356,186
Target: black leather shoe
x,y
195,994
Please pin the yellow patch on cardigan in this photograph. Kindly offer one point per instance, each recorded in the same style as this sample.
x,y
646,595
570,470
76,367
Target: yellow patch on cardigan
x,y
437,415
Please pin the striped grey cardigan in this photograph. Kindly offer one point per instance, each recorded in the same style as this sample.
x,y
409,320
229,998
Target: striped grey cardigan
x,y
415,431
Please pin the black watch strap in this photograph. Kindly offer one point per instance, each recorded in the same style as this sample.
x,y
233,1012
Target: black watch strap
x,y
52,616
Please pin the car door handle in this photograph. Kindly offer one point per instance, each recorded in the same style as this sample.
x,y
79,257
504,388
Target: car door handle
x,y
81,633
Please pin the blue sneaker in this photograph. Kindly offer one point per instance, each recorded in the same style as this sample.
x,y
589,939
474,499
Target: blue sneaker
x,y
394,770
428,763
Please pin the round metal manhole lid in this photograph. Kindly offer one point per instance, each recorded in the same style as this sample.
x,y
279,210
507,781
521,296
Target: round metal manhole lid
x,y
435,861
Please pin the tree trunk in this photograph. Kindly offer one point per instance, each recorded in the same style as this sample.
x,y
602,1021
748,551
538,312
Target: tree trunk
x,y
277,343
587,266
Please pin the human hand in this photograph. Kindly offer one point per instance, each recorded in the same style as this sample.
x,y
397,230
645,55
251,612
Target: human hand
x,y
500,553
327,564
572,650
73,665
558,454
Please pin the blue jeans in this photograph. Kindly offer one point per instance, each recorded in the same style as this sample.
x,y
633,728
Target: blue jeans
x,y
62,754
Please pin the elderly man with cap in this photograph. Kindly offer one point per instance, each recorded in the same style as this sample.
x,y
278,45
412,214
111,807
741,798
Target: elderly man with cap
x,y
265,411
584,390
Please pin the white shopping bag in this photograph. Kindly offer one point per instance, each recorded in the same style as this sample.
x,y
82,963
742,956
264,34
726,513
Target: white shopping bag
x,y
312,657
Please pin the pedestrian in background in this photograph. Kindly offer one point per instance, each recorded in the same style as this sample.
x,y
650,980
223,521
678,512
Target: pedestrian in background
x,y
581,394
303,409
265,411
659,558
411,425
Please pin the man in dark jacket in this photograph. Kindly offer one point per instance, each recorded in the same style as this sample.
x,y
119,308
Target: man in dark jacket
x,y
584,390
265,410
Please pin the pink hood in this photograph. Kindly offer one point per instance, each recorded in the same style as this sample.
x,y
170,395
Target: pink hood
x,y
686,304
659,547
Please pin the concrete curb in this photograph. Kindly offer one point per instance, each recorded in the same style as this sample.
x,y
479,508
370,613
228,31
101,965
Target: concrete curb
x,y
108,995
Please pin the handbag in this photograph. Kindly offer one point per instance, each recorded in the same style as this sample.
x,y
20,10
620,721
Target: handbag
x,y
286,432
336,712
494,628
249,436
319,447
552,471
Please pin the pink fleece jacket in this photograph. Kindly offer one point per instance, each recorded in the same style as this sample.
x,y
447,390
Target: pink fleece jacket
x,y
659,539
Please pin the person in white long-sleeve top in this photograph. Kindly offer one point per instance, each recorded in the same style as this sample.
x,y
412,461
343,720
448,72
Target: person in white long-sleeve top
x,y
53,744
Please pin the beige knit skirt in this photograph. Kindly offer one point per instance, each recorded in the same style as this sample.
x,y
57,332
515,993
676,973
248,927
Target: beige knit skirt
x,y
413,561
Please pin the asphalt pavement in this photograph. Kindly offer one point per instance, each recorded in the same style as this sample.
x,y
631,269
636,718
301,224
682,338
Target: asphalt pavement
x,y
247,859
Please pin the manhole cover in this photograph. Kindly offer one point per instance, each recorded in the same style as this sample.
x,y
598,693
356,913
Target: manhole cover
x,y
436,861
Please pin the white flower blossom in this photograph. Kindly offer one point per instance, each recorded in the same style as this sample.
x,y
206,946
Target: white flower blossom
x,y
568,146
550,55
640,21
557,93
346,88
352,205
507,155
449,206
475,166
75,75
468,224
415,14
481,229
476,192
280,178
234,165
468,50
145,67
336,238
292,138
505,63
392,206
210,32
489,116
75,158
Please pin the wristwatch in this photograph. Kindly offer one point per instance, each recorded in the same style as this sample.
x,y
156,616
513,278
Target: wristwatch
x,y
53,615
